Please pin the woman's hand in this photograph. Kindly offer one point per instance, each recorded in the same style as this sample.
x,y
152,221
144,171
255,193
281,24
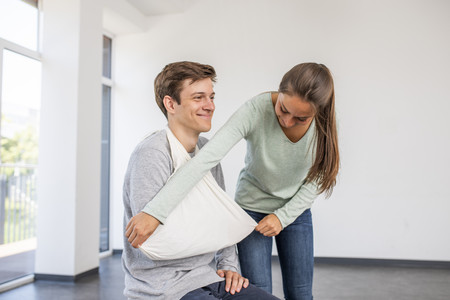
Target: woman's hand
x,y
234,282
140,228
269,226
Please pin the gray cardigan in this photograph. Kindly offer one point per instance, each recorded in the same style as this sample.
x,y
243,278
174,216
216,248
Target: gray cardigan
x,y
148,170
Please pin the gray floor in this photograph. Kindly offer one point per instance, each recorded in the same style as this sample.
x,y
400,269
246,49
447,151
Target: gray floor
x,y
330,282
17,265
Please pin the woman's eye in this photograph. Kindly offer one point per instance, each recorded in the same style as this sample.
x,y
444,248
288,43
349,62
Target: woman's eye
x,y
302,119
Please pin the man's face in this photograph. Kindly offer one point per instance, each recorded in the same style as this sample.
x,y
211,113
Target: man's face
x,y
196,108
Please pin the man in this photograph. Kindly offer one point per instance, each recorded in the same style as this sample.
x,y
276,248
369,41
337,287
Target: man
x,y
184,93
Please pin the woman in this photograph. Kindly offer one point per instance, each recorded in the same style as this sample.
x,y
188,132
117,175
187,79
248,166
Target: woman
x,y
292,156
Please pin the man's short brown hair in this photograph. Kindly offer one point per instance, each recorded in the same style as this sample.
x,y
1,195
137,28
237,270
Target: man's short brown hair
x,y
170,81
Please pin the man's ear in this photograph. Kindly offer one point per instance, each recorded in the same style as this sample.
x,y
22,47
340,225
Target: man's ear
x,y
169,104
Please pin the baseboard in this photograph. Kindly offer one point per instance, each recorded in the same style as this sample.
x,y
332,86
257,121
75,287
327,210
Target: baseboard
x,y
52,277
117,251
434,264
383,262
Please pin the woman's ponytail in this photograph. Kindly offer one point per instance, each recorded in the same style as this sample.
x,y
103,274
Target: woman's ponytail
x,y
314,84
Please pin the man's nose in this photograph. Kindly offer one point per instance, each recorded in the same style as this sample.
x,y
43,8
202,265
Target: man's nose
x,y
208,104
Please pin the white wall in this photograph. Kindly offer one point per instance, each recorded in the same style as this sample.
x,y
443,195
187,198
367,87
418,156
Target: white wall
x,y
390,62
69,144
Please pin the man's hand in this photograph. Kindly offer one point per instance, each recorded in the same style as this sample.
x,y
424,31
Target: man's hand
x,y
140,227
269,226
233,281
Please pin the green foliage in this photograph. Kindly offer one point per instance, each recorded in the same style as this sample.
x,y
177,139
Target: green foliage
x,y
21,148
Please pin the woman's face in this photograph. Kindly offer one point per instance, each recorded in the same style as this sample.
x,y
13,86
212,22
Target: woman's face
x,y
293,111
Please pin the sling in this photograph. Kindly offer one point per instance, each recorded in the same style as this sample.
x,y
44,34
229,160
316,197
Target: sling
x,y
205,221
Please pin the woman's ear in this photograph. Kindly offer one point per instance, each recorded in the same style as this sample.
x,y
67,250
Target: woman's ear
x,y
169,104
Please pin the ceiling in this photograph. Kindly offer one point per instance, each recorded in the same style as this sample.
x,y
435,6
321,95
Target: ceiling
x,y
161,7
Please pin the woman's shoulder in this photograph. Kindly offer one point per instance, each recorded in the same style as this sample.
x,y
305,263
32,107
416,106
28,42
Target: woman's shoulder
x,y
263,97
250,114
261,102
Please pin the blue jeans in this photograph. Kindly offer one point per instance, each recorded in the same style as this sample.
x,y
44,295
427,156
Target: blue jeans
x,y
217,291
295,251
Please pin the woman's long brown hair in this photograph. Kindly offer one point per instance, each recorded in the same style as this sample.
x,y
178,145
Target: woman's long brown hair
x,y
313,83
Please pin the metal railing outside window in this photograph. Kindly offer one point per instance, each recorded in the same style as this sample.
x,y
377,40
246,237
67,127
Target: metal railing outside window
x,y
17,202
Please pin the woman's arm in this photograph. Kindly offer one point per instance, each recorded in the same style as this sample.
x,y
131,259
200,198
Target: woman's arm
x,y
272,224
300,202
156,211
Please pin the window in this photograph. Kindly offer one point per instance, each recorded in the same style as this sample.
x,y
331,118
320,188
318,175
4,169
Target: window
x,y
20,90
106,141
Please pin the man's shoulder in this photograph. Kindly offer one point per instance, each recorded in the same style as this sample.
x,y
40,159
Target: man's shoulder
x,y
156,141
153,146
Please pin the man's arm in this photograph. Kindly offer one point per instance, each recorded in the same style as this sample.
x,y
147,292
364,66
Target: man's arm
x,y
227,267
227,259
149,170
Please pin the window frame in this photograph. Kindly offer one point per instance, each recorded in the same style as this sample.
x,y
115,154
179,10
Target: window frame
x,y
109,82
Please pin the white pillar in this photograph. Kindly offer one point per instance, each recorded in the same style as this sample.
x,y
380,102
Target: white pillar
x,y
70,136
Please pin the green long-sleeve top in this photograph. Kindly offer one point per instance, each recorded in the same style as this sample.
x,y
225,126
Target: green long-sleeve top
x,y
273,179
